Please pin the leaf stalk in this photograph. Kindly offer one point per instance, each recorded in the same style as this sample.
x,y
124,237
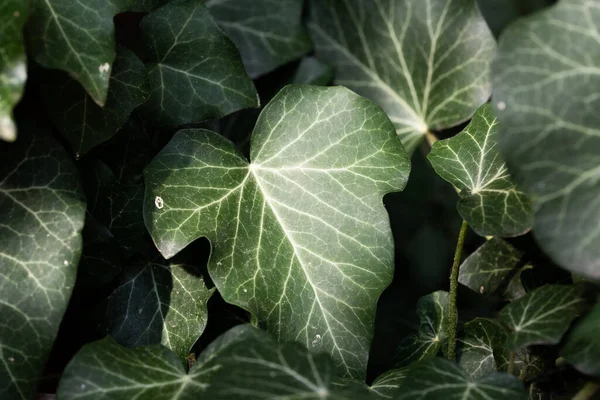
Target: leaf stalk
x,y
452,310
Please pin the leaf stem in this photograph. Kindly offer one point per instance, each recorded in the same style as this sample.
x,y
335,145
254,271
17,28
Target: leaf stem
x,y
511,363
588,391
452,310
431,138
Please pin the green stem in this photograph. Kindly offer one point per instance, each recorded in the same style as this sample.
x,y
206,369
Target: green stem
x,y
511,363
588,391
452,311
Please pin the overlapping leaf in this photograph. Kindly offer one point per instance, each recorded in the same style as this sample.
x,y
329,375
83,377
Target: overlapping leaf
x,y
582,346
489,200
195,71
268,33
551,142
542,316
427,63
312,71
479,346
388,384
41,217
13,62
320,251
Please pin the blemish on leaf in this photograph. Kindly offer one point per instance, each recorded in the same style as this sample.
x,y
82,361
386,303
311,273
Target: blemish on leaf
x,y
158,202
104,68
501,106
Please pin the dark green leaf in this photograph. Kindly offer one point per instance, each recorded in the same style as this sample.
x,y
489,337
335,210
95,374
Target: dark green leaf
x,y
311,71
552,146
431,310
489,200
427,63
515,288
320,251
582,345
478,347
195,71
267,33
542,316
42,210
101,259
388,384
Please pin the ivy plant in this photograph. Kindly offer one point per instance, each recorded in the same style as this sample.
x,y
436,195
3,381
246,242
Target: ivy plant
x,y
299,199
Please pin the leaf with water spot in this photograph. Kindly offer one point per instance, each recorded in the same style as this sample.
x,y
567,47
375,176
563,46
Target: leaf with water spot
x,y
542,316
582,345
479,346
320,251
489,200
427,63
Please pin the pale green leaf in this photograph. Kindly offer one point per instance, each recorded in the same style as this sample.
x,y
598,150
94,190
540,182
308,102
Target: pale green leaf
x,y
479,346
582,345
388,384
195,71
489,200
432,311
42,210
320,250
545,94
268,33
542,316
427,63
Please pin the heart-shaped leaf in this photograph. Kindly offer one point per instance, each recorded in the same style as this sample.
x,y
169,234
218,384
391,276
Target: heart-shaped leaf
x,y
321,251
582,345
481,342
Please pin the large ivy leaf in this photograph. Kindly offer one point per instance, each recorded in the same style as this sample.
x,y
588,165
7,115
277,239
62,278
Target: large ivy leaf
x,y
479,346
432,311
268,33
13,62
542,316
489,200
78,38
86,124
440,379
195,71
158,302
320,251
551,146
427,63
582,345
42,210
490,267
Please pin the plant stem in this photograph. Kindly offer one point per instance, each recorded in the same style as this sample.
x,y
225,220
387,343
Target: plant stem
x,y
511,363
431,138
588,391
452,310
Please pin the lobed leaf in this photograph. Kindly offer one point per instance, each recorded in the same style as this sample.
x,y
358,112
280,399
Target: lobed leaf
x,y
480,346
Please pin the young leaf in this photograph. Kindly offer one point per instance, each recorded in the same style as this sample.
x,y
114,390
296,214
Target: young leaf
x,y
542,316
488,268
582,345
267,33
427,342
42,209
552,146
85,124
440,379
388,384
481,342
320,250
489,200
427,63
195,71
13,63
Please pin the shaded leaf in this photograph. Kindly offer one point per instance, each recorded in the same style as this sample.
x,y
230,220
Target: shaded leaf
x,y
552,146
479,346
515,289
427,63
42,210
582,345
489,200
388,384
311,71
321,251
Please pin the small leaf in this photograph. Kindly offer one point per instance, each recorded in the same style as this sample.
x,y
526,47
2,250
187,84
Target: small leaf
x,y
267,33
427,342
515,288
582,345
478,347
542,316
490,267
322,159
311,71
426,63
489,200
440,379
388,384
42,210
195,71
13,63
85,124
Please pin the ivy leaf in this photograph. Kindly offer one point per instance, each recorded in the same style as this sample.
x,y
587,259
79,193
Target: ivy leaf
x,y
85,124
582,345
481,342
388,384
267,33
312,71
78,38
489,200
13,63
490,267
427,63
42,210
322,158
195,71
515,289
552,146
440,379
542,316
431,310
